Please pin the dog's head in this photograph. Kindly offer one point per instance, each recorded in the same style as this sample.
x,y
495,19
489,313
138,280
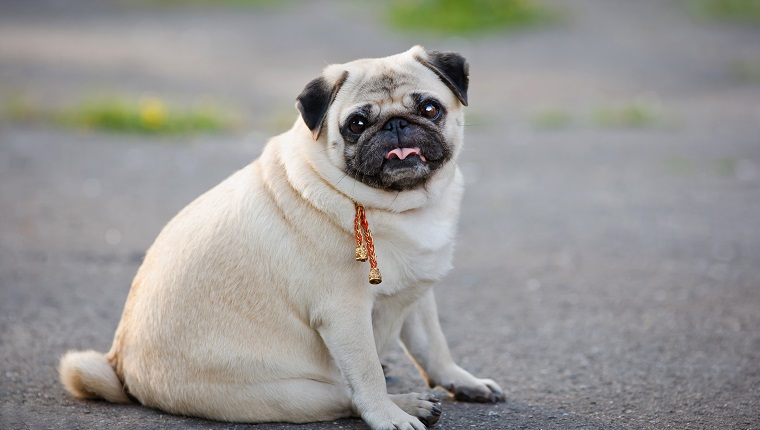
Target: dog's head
x,y
389,122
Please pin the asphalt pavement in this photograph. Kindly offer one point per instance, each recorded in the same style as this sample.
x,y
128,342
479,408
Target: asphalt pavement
x,y
607,271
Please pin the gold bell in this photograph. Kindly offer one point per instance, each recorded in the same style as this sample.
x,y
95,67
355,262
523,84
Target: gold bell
x,y
361,253
374,276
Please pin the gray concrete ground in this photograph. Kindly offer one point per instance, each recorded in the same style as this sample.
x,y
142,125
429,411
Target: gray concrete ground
x,y
608,277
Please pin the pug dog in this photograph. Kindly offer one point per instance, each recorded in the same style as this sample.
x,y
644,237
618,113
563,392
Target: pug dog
x,y
250,305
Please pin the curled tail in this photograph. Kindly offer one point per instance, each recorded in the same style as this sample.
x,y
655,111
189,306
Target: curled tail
x,y
89,375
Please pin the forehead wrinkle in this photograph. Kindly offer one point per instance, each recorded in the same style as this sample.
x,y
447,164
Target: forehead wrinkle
x,y
383,98
385,91
384,85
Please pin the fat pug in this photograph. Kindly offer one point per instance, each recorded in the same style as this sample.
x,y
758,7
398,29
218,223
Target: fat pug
x,y
251,307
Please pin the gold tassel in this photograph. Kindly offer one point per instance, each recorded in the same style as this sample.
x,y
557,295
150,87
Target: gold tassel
x,y
361,250
374,276
365,247
361,253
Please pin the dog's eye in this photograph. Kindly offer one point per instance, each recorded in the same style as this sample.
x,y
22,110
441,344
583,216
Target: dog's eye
x,y
430,110
357,124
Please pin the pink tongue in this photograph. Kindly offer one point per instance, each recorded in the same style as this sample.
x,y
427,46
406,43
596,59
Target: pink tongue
x,y
402,153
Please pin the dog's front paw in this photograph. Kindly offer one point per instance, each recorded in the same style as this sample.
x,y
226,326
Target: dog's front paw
x,y
392,418
467,388
426,407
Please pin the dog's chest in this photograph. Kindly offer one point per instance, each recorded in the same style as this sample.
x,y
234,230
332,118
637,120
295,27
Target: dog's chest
x,y
413,249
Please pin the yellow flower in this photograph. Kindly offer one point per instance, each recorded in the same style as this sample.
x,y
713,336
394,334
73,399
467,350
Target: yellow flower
x,y
152,112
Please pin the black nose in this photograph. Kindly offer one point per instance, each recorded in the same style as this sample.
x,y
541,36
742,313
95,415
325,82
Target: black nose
x,y
395,124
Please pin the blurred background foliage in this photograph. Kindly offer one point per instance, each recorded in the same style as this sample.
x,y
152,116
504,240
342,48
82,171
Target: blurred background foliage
x,y
732,10
153,115
466,17
149,115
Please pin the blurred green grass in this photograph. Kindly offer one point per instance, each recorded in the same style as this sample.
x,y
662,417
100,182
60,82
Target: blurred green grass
x,y
747,71
729,10
682,165
679,165
724,166
145,115
641,112
632,114
450,17
466,17
552,119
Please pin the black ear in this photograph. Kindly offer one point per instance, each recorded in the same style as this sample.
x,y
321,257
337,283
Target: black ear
x,y
453,70
315,100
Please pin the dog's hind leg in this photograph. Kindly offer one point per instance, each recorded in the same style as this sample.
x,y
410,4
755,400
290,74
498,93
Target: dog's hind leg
x,y
425,343
288,400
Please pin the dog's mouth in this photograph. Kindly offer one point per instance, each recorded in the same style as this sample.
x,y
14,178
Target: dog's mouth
x,y
405,168
403,153
397,161
397,168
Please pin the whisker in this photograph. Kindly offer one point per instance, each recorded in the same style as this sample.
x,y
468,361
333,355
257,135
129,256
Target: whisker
x,y
398,193
341,178
353,189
